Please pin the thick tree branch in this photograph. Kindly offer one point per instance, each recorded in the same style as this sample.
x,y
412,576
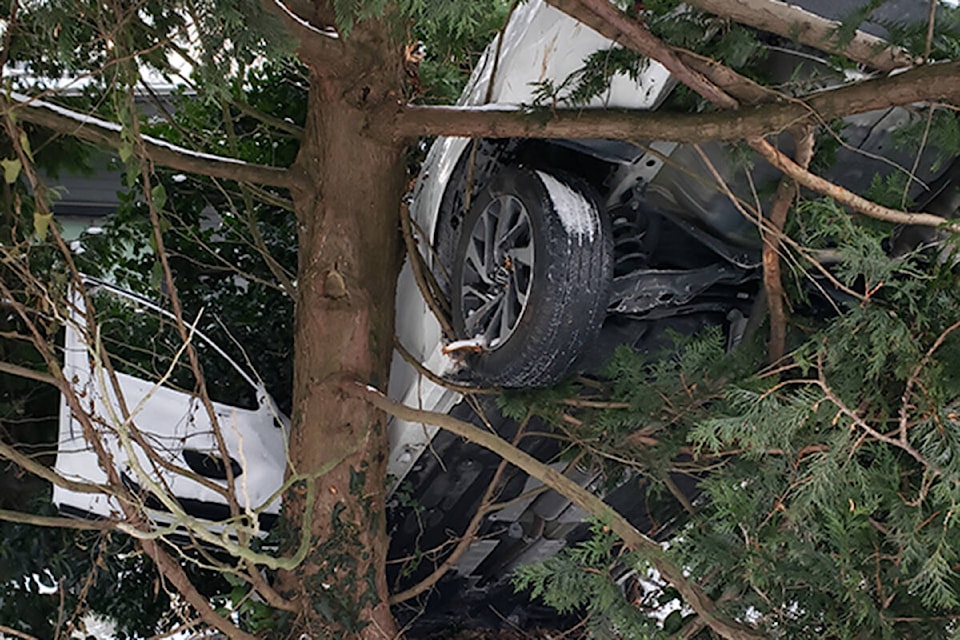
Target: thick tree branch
x,y
772,281
740,87
633,539
107,134
929,83
810,29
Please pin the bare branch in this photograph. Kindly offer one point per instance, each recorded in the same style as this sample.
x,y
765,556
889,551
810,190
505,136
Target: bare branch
x,y
56,523
172,571
929,83
426,282
843,196
633,539
32,466
16,634
810,29
161,152
29,374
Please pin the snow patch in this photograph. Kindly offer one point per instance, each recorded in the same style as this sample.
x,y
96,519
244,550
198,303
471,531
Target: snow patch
x,y
330,33
575,211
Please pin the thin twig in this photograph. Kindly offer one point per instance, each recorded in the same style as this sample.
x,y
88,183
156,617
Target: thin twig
x,y
931,19
427,284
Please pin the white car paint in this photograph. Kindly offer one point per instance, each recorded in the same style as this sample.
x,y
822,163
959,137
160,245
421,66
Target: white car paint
x,y
171,421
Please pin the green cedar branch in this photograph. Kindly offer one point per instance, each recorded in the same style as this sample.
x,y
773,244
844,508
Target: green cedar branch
x,y
929,83
108,134
642,40
724,77
692,594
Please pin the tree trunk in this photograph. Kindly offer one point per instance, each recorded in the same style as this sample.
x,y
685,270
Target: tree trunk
x,y
349,187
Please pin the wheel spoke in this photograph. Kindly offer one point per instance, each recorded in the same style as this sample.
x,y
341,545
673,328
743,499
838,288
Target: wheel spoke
x,y
519,291
474,259
522,255
475,320
489,240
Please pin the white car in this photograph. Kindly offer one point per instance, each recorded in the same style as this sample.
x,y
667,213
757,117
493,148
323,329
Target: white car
x,y
551,252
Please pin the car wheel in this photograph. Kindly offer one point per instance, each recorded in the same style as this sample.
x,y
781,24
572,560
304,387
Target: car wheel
x,y
531,278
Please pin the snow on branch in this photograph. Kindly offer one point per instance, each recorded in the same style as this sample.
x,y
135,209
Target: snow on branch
x,y
102,132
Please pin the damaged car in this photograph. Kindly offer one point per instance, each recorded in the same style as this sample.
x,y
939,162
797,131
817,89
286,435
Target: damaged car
x,y
549,254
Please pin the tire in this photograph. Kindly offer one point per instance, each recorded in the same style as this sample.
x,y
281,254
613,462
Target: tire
x,y
531,277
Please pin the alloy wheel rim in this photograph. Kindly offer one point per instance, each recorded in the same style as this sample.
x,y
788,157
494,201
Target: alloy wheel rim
x,y
497,271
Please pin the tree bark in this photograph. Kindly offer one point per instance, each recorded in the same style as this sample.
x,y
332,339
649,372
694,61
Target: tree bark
x,y
348,187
